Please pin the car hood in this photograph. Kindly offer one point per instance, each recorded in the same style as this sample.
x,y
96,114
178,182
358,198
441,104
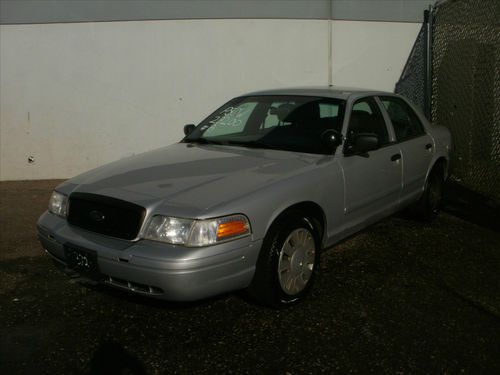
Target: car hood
x,y
198,176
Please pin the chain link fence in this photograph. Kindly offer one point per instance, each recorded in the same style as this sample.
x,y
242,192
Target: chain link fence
x,y
412,84
464,89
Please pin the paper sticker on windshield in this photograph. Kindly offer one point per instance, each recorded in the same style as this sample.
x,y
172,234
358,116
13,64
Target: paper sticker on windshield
x,y
230,120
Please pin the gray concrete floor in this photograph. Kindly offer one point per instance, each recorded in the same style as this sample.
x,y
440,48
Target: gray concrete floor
x,y
401,297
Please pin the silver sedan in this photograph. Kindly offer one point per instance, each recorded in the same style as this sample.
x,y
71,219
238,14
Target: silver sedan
x,y
250,196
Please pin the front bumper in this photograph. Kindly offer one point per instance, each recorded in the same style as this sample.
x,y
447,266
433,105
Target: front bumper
x,y
152,268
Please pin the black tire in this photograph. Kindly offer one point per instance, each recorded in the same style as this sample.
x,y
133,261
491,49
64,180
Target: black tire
x,y
428,206
273,288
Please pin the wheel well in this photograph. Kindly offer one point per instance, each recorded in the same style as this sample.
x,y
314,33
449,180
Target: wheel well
x,y
441,167
311,211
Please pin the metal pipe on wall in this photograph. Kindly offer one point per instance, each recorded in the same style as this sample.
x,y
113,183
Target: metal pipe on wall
x,y
330,49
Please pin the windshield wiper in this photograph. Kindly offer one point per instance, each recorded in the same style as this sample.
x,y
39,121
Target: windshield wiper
x,y
204,141
259,144
250,144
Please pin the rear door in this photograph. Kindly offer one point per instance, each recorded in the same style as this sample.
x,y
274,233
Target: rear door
x,y
372,181
416,146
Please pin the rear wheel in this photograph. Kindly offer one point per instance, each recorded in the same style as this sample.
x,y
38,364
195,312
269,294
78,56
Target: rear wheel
x,y
287,262
429,204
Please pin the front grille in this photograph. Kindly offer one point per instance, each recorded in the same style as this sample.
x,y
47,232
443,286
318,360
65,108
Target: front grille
x,y
105,215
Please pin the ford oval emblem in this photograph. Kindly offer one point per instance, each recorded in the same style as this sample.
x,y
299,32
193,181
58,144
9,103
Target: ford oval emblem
x,y
97,215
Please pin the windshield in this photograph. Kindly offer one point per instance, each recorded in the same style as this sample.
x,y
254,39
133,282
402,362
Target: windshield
x,y
292,123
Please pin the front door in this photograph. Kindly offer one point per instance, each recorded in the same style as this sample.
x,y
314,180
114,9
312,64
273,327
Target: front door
x,y
372,181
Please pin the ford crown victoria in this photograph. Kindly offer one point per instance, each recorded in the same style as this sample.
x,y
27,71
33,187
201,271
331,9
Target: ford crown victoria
x,y
250,196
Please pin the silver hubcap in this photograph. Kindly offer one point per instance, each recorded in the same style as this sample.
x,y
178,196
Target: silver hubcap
x,y
296,261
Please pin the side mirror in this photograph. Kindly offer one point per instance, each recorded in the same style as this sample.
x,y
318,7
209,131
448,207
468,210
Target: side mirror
x,y
361,143
331,139
188,129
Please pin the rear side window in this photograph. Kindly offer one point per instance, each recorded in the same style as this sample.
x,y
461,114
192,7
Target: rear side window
x,y
404,120
328,110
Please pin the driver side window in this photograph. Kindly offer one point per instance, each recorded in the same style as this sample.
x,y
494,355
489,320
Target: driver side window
x,y
367,118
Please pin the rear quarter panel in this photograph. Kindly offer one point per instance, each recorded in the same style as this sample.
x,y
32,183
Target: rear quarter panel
x,y
441,137
442,143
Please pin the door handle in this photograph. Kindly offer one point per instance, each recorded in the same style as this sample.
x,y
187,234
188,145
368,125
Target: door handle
x,y
428,146
395,157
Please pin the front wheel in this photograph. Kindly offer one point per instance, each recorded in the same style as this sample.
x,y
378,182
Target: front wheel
x,y
287,262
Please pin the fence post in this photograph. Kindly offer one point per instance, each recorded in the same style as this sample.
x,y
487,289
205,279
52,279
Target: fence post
x,y
428,21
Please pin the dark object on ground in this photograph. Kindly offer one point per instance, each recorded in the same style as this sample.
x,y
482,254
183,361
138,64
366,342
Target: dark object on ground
x,y
471,206
112,359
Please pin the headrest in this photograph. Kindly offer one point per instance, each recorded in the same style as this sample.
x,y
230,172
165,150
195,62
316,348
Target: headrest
x,y
361,122
360,116
283,111
306,113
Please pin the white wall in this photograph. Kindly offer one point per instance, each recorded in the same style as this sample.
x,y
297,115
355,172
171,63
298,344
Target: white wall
x,y
78,95
371,54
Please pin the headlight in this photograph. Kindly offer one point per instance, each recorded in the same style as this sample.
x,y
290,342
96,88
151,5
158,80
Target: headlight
x,y
58,203
196,233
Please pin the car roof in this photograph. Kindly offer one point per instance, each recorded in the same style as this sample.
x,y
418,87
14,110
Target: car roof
x,y
336,92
